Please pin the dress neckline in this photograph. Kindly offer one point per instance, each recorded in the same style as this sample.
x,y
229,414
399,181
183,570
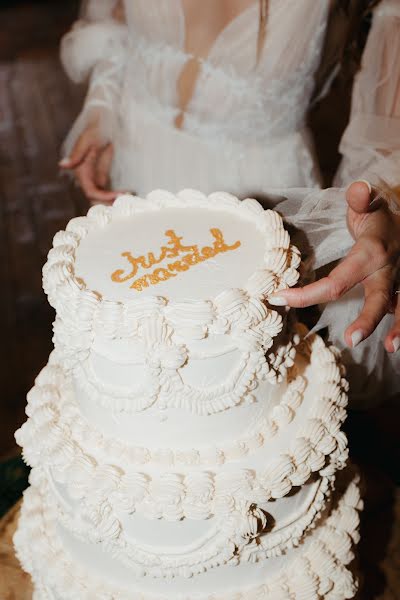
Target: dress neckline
x,y
211,59
220,40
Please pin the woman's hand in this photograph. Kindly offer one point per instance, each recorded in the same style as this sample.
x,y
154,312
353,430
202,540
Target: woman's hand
x,y
91,160
372,261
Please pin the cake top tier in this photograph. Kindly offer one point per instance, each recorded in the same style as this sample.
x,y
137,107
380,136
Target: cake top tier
x,y
186,247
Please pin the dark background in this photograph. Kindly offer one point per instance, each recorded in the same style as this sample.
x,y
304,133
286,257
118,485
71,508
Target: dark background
x,y
37,106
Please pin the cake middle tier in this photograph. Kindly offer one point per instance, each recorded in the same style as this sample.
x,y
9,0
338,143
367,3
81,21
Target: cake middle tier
x,y
217,407
254,462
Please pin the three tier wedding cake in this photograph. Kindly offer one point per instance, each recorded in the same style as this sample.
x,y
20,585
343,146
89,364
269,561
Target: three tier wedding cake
x,y
185,436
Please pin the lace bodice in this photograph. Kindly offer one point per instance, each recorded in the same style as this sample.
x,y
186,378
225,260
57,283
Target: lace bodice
x,y
233,97
134,68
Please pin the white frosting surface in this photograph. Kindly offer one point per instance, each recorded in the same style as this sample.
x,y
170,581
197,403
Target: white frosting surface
x,y
166,425
99,254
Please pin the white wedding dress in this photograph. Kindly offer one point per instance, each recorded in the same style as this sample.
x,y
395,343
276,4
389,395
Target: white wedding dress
x,y
244,128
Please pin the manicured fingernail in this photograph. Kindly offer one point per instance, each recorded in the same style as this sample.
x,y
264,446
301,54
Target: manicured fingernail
x,y
366,183
356,337
64,162
277,301
396,343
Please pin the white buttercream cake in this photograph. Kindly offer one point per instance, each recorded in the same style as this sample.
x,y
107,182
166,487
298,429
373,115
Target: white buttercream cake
x,y
185,436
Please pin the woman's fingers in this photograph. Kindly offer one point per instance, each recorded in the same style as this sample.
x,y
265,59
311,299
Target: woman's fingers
x,y
392,341
377,288
103,166
92,172
85,174
367,263
88,139
357,265
358,196
79,152
362,197
371,262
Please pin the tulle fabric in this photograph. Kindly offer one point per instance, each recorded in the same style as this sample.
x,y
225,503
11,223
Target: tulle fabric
x,y
96,50
371,143
320,217
244,128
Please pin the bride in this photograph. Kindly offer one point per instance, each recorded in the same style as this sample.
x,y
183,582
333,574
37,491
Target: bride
x,y
214,95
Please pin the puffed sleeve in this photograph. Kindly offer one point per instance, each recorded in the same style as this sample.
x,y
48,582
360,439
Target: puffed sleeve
x,y
95,50
371,143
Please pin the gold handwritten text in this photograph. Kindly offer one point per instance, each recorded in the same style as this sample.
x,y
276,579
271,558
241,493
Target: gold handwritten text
x,y
187,257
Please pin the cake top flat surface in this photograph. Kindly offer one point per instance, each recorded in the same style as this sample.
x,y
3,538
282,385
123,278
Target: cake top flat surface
x,y
198,253
194,253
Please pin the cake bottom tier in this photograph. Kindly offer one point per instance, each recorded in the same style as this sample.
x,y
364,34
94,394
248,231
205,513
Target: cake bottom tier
x,y
64,568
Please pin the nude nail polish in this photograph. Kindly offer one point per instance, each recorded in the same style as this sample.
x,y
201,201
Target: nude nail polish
x,y
366,183
277,301
396,343
356,337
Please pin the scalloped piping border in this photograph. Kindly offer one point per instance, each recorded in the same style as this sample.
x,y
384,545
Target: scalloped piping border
x,y
281,259
235,538
319,571
179,395
52,391
169,391
173,496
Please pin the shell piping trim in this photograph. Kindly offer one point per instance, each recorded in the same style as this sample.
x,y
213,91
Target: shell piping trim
x,y
53,392
320,569
84,311
236,537
165,389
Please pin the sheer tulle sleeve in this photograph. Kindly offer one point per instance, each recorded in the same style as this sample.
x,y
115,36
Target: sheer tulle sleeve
x,y
371,150
319,217
94,50
371,143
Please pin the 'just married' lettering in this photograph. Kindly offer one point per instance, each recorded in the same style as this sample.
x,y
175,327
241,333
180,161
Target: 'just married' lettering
x,y
186,257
